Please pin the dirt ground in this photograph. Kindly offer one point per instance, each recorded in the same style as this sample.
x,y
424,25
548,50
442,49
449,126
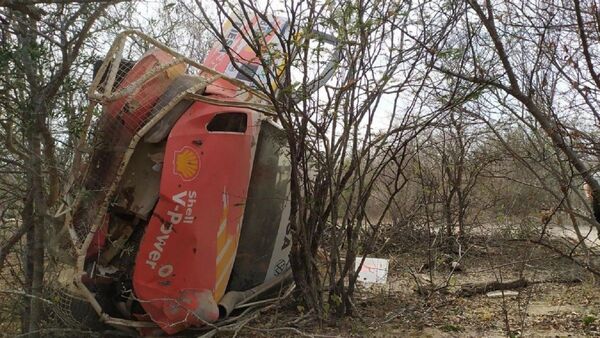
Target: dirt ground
x,y
563,301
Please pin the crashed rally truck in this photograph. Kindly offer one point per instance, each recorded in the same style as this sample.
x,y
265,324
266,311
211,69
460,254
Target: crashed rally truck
x,y
182,213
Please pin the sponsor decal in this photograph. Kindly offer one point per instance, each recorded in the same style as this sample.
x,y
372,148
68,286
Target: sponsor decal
x,y
281,266
184,207
186,163
183,212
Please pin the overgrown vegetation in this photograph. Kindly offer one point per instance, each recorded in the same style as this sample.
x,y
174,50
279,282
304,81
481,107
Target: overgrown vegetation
x,y
447,126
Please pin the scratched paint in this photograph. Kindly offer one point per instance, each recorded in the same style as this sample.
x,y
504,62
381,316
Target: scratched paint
x,y
191,239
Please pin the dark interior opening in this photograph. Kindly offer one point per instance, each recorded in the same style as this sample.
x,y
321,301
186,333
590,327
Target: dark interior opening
x,y
228,122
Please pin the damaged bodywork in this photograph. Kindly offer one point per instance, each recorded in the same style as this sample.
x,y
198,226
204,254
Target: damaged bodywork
x,y
182,213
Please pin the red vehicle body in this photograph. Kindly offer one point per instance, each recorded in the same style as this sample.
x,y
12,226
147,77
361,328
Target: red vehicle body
x,y
198,217
182,212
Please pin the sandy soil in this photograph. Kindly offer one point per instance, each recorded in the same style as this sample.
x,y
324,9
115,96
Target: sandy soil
x,y
544,309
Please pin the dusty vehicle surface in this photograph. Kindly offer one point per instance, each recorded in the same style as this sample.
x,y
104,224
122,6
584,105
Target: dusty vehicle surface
x,y
182,213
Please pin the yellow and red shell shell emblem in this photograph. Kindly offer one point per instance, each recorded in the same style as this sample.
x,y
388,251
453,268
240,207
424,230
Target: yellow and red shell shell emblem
x,y
186,163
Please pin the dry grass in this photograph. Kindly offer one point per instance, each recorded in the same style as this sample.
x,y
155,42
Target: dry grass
x,y
397,310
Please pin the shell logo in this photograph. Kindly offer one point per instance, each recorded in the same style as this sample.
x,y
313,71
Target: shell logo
x,y
186,163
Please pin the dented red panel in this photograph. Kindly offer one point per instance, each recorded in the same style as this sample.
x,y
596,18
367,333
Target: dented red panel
x,y
187,251
134,108
122,118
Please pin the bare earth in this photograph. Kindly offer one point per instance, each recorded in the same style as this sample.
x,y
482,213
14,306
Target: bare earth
x,y
557,306
564,303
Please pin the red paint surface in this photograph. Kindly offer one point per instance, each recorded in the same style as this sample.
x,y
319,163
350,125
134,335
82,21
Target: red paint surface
x,y
134,108
184,295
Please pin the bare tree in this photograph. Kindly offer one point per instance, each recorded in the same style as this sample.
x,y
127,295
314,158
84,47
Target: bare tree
x,y
43,62
336,153
520,67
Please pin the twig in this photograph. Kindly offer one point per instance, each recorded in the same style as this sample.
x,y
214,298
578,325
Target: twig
x,y
21,293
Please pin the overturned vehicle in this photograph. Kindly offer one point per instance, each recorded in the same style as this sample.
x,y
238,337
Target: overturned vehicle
x,y
181,215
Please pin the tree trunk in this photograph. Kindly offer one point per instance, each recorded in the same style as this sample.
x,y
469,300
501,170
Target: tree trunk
x,y
37,281
472,289
39,218
27,216
448,215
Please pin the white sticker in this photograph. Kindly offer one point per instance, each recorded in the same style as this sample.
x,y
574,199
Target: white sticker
x,y
373,270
